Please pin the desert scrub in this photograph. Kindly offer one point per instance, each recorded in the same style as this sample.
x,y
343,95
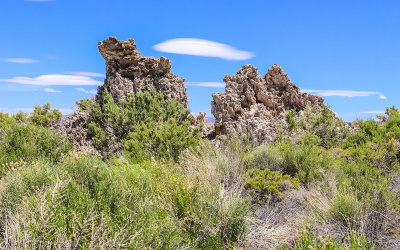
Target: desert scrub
x,y
44,115
290,119
28,142
84,202
145,123
305,161
266,185
323,123
310,241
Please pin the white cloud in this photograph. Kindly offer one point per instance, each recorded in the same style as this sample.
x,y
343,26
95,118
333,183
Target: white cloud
x,y
89,74
344,93
373,112
20,60
382,97
207,84
48,80
91,91
200,47
51,90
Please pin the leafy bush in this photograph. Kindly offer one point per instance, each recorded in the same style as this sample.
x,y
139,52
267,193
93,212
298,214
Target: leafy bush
x,y
267,185
324,124
304,161
21,143
44,116
145,123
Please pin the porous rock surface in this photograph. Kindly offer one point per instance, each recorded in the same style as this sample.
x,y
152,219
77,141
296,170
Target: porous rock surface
x,y
127,71
257,103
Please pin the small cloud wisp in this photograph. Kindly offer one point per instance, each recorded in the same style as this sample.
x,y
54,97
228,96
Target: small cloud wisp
x,y
91,91
51,90
201,47
20,60
48,80
207,84
344,93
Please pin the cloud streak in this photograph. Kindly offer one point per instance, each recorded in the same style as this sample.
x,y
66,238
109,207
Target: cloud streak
x,y
200,47
20,60
207,84
344,93
89,74
49,80
51,90
373,112
91,91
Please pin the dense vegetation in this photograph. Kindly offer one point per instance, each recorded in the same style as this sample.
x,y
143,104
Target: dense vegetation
x,y
170,189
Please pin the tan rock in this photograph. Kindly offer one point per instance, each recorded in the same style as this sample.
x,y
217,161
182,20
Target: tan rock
x,y
257,104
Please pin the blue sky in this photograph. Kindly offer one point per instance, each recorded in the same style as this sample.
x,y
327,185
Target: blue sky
x,y
348,51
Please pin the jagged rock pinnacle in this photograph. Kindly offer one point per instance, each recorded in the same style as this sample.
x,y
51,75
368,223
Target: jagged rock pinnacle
x,y
127,71
257,103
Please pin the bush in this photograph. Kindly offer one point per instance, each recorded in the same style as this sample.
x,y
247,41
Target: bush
x,y
85,203
44,116
346,209
145,123
305,161
324,124
311,241
266,185
24,143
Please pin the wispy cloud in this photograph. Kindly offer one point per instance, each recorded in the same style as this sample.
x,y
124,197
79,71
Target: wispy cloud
x,y
344,93
89,74
20,60
200,47
207,84
91,91
51,90
373,112
48,80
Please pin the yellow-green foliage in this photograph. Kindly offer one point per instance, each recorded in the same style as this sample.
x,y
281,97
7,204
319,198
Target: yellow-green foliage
x,y
45,116
21,143
84,201
265,185
310,241
146,123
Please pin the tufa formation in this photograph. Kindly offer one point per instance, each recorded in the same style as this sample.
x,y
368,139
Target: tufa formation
x,y
127,71
251,102
257,103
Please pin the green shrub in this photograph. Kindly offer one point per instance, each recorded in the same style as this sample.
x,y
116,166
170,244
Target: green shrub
x,y
290,119
146,123
265,157
86,203
24,143
324,124
346,209
305,161
312,242
267,185
43,116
